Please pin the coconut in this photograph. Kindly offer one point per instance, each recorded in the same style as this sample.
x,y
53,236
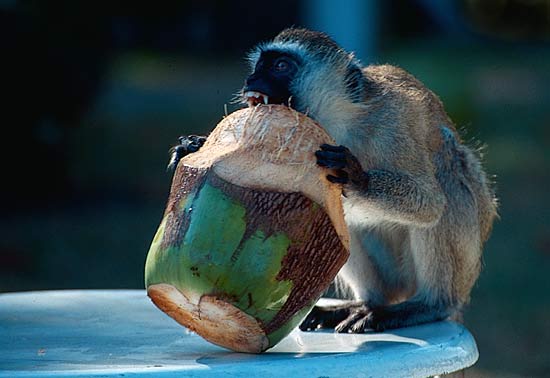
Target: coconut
x,y
253,232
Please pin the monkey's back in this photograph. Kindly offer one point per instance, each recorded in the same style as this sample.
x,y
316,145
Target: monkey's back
x,y
413,106
417,106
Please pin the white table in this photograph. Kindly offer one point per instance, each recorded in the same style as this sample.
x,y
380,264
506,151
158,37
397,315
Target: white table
x,y
114,333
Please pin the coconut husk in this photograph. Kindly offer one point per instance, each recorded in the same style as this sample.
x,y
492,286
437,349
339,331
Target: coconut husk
x,y
253,232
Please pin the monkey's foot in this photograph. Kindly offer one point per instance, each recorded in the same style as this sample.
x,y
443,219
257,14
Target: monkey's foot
x,y
343,162
360,319
405,314
351,317
327,316
188,144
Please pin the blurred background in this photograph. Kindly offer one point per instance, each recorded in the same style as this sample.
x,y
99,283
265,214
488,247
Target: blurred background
x,y
96,94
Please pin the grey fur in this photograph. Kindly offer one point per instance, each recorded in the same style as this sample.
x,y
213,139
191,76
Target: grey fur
x,y
419,220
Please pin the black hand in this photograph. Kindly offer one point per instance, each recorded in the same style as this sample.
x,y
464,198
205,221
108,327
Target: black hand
x,y
188,144
191,143
340,159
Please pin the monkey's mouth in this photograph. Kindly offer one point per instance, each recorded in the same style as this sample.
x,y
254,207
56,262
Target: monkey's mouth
x,y
254,98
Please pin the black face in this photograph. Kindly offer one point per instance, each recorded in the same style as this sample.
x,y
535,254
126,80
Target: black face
x,y
269,84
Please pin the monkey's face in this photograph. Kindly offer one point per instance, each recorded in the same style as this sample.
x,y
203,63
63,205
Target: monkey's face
x,y
270,82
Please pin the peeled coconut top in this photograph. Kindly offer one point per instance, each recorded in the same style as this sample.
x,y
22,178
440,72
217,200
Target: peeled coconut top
x,y
273,148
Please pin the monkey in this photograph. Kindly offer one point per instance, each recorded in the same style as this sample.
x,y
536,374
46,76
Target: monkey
x,y
417,203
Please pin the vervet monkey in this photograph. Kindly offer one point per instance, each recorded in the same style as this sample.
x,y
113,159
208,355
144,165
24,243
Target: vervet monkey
x,y
417,202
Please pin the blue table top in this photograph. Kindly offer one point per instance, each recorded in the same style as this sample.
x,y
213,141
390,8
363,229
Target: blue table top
x,y
106,333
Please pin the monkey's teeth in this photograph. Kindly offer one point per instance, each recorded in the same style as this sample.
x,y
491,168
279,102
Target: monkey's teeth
x,y
255,98
253,94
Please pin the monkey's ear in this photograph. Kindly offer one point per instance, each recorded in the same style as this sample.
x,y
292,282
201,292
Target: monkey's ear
x,y
355,82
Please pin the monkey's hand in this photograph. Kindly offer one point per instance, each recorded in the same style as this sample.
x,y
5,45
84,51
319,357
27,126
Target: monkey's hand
x,y
188,144
347,167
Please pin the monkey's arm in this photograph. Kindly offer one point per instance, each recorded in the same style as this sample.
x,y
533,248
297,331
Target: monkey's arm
x,y
188,144
417,200
380,195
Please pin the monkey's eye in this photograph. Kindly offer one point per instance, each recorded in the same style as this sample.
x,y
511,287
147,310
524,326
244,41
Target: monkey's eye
x,y
281,65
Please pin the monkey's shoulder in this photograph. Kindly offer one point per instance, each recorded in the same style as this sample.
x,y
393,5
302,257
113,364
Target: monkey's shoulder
x,y
392,77
401,91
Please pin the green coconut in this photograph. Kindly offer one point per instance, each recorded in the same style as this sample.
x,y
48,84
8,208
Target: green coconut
x,y
252,234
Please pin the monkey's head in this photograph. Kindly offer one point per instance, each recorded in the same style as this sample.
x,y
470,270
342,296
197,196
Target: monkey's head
x,y
305,70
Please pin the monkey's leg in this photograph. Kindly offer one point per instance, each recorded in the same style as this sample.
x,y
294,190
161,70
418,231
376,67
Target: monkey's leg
x,y
188,144
358,279
437,271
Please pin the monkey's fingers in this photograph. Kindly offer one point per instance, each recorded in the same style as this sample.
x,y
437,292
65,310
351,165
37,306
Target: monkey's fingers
x,y
338,179
198,139
176,153
188,144
191,143
331,148
324,317
340,157
311,323
358,321
331,160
